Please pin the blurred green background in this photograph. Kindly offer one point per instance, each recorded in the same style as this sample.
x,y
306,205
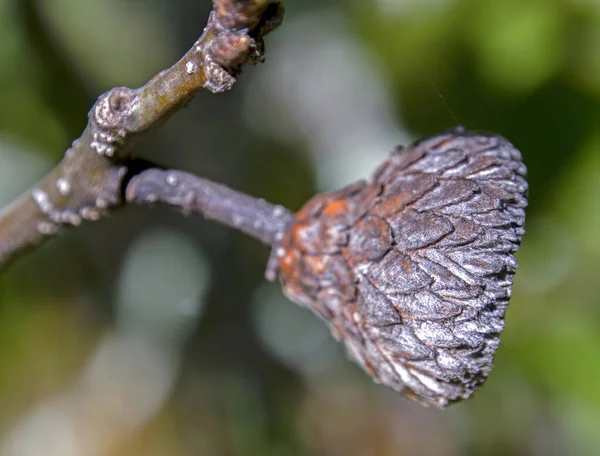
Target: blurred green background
x,y
154,334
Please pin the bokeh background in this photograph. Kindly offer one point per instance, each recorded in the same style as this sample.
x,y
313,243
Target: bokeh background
x,y
154,334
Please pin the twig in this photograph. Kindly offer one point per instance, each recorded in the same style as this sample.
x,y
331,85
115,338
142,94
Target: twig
x,y
255,217
88,183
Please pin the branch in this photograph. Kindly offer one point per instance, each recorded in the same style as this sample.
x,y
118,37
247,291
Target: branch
x,y
255,217
88,183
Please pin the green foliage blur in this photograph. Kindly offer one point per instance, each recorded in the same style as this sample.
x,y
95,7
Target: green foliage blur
x,y
154,334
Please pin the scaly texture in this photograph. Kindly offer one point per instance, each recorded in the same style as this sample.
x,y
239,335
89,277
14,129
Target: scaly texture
x,y
413,270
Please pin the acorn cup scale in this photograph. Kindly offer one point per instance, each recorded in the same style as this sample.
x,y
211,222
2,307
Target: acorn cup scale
x,y
413,269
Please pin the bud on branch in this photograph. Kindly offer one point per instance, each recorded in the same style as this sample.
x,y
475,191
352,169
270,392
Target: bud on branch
x,y
412,270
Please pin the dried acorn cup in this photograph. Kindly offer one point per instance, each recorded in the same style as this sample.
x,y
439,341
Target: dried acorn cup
x,y
413,269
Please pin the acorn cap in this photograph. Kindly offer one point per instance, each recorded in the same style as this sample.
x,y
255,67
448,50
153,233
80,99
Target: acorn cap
x,y
413,269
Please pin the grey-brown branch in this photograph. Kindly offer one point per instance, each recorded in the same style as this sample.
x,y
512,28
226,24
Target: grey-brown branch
x,y
88,183
256,217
